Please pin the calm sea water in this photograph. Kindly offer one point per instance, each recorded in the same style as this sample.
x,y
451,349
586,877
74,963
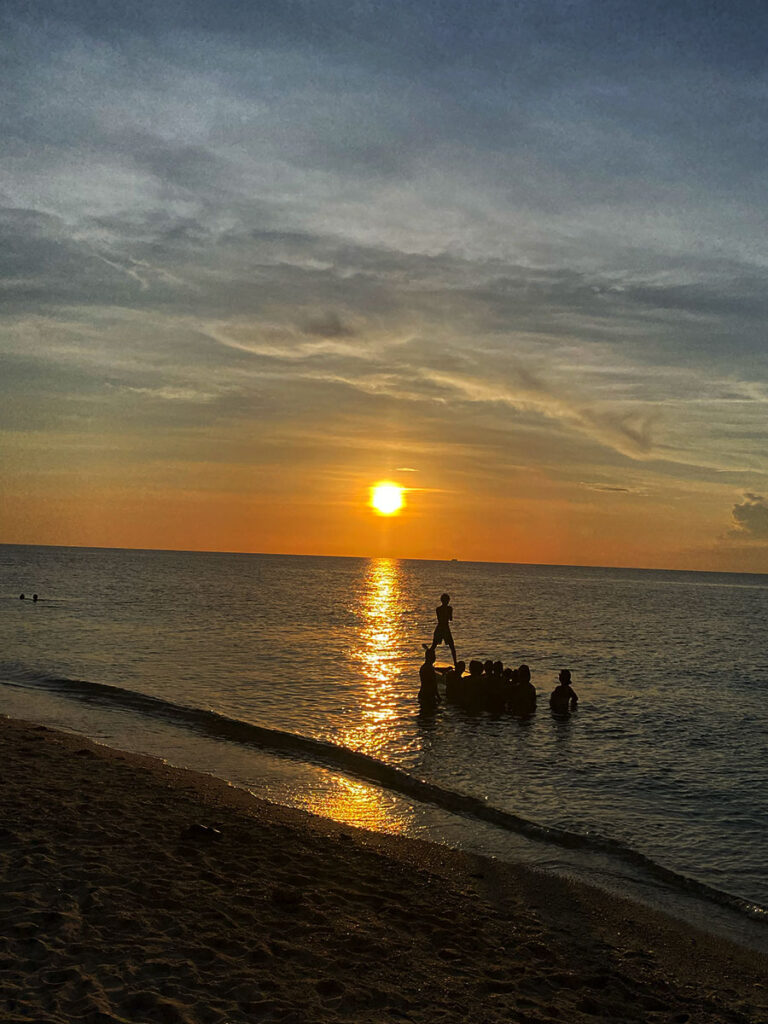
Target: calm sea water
x,y
663,767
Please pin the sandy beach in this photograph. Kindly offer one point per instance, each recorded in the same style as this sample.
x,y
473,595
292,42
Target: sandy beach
x,y
132,891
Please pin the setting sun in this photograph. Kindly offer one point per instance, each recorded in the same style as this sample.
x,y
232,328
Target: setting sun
x,y
387,498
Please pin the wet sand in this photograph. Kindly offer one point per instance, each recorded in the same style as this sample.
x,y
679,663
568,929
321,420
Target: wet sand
x,y
131,891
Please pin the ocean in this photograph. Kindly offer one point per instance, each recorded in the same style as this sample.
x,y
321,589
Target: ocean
x,y
296,678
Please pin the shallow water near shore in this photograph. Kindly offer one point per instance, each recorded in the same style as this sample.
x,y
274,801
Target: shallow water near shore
x,y
296,677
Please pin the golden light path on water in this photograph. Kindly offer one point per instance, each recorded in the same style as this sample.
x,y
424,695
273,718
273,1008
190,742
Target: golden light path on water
x,y
379,607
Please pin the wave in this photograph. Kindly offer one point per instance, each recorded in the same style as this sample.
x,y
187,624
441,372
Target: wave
x,y
214,724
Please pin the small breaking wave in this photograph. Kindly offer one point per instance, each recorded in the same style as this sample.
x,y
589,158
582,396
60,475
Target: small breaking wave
x,y
214,724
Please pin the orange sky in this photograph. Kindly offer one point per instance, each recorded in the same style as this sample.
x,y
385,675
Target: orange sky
x,y
538,522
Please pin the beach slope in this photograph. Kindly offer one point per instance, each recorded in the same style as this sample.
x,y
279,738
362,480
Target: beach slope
x,y
131,891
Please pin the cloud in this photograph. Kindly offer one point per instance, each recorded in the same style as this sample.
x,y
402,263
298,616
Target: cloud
x,y
610,488
557,346
328,325
750,518
172,394
626,431
282,343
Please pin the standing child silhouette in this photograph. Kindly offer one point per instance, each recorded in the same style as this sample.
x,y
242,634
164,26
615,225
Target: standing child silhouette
x,y
442,634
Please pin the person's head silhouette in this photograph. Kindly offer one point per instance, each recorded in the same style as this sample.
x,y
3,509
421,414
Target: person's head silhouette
x,y
524,673
565,677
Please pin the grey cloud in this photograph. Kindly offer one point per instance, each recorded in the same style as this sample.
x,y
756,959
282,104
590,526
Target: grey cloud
x,y
193,168
43,264
750,517
228,153
441,33
415,317
328,325
611,488
550,136
444,309
36,380
743,297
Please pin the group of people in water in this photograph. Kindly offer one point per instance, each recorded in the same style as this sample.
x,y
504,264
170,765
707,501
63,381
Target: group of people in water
x,y
489,685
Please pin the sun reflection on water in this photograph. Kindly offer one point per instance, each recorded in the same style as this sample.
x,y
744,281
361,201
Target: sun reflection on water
x,y
359,804
378,657
381,638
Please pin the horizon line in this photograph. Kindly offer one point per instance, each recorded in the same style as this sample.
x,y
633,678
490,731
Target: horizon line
x,y
390,558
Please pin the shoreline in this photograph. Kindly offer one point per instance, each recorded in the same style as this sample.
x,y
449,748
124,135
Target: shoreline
x,y
118,905
621,872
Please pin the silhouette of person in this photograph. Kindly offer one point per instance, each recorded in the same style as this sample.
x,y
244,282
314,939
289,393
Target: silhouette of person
x,y
34,598
494,688
522,700
429,696
442,633
510,684
21,597
563,698
453,682
472,690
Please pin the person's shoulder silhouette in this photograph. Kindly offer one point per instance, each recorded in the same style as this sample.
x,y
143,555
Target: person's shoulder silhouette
x,y
428,692
563,698
522,700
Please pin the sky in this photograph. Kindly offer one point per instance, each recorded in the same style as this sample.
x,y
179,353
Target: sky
x,y
255,257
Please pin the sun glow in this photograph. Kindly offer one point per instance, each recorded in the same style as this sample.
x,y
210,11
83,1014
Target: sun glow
x,y
387,498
